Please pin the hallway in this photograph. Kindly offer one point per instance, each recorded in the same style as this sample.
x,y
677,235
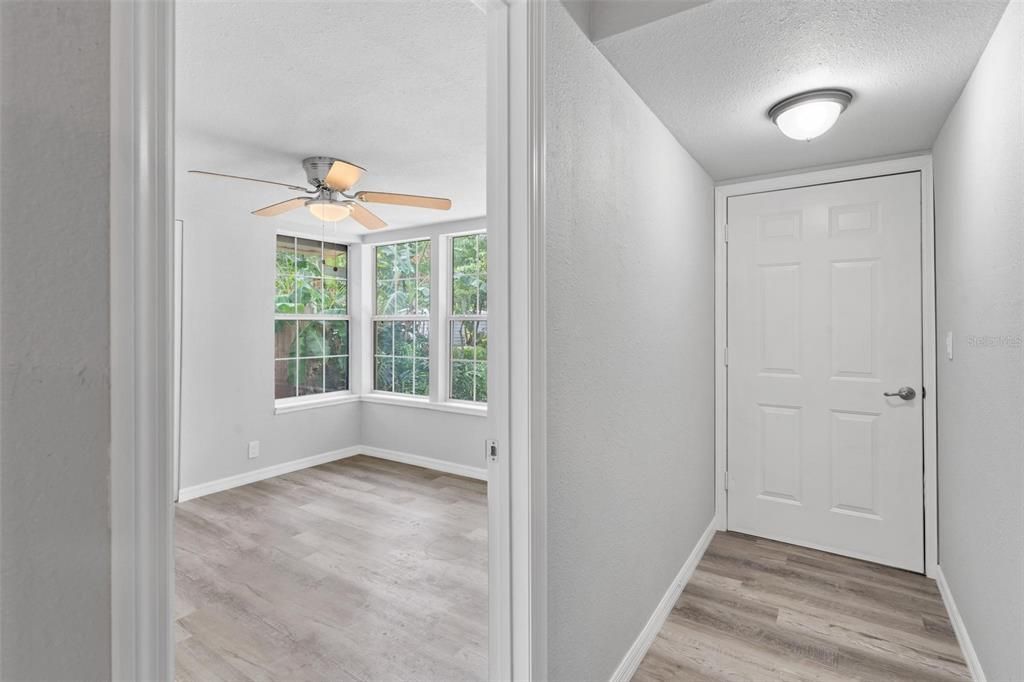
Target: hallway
x,y
757,609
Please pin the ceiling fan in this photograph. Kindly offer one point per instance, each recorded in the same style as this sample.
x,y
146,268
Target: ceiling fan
x,y
329,199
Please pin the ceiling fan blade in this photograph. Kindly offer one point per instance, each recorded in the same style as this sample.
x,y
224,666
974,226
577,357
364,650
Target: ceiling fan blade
x,y
343,175
242,177
365,217
281,207
437,203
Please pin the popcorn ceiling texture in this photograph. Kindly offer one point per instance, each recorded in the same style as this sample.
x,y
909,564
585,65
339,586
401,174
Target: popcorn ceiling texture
x,y
710,74
398,87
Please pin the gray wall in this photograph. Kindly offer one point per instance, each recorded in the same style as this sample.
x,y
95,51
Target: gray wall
x,y
54,349
979,231
447,436
227,343
227,377
630,357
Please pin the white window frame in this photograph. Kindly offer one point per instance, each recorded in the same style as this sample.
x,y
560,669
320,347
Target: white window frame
x,y
450,317
301,402
363,261
375,317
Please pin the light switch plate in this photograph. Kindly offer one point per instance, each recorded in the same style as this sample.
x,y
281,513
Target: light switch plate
x,y
949,345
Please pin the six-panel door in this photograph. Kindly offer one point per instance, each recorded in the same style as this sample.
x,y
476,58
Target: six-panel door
x,y
824,317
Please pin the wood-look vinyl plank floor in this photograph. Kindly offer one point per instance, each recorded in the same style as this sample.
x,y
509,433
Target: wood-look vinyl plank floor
x,y
358,570
758,610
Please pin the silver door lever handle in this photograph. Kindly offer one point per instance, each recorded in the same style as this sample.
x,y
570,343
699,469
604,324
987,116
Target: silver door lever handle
x,y
905,392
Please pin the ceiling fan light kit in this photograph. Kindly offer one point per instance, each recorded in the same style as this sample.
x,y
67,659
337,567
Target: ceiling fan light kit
x,y
331,179
328,210
810,114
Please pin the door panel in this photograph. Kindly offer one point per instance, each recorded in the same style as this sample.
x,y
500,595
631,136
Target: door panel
x,y
824,293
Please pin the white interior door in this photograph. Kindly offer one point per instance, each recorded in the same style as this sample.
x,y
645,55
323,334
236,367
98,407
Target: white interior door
x,y
824,299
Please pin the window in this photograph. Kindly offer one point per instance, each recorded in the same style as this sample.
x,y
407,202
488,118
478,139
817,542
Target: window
x,y
467,319
311,318
401,320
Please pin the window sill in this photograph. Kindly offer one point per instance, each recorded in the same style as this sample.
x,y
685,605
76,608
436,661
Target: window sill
x,y
288,405
424,404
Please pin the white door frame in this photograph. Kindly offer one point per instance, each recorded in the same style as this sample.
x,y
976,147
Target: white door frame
x,y
922,163
141,255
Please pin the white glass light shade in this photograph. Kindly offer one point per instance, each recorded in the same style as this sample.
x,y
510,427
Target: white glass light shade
x,y
810,114
328,211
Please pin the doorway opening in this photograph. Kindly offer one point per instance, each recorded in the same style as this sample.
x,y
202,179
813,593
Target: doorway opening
x,y
145,479
331,462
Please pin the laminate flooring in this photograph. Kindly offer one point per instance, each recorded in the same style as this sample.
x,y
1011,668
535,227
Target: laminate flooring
x,y
762,610
357,570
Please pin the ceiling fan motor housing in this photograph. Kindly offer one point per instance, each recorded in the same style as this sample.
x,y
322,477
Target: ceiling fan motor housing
x,y
317,168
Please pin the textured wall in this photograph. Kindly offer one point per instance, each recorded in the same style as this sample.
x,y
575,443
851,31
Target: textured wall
x,y
630,357
54,298
979,231
227,348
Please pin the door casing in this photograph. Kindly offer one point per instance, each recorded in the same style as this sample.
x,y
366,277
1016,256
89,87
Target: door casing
x,y
141,245
921,163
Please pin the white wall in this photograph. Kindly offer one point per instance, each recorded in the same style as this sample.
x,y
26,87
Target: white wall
x,y
227,375
630,357
54,349
227,350
979,233
449,437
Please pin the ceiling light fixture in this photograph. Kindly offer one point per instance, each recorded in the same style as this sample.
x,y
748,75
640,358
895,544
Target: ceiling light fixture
x,y
328,210
809,114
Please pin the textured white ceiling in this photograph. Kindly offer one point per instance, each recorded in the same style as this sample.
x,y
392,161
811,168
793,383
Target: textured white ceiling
x,y
602,18
397,86
711,73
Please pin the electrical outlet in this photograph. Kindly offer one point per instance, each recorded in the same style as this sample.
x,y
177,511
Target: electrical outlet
x,y
254,449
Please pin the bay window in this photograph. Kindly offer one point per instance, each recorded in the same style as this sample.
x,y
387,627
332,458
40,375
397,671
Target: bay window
x,y
419,328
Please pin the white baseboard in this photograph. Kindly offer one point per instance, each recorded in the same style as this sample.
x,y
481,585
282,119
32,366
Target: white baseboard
x,y
970,655
631,661
479,473
229,482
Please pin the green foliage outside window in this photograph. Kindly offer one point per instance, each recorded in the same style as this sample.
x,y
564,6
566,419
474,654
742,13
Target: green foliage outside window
x,y
402,290
311,355
468,330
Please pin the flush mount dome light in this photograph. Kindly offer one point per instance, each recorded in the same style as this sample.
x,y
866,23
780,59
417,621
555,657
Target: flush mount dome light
x,y
809,114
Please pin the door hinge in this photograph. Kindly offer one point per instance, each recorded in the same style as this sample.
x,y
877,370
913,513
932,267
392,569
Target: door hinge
x,y
727,233
725,356
924,392
725,483
492,450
